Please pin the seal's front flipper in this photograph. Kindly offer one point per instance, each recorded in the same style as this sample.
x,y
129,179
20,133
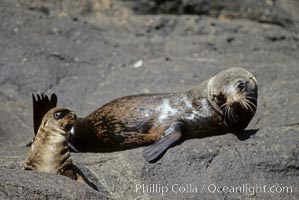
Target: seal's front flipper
x,y
71,147
170,137
41,105
30,142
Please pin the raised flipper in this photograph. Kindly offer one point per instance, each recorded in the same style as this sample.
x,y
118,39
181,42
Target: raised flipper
x,y
41,105
170,137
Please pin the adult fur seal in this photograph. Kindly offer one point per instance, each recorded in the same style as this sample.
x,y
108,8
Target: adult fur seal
x,y
224,103
49,151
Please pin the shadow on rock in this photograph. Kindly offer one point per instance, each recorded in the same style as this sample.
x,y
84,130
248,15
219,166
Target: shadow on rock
x,y
246,134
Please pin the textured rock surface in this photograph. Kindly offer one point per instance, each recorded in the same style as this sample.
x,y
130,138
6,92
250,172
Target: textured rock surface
x,y
280,12
90,52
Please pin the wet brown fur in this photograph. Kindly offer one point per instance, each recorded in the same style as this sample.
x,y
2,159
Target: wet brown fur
x,y
133,121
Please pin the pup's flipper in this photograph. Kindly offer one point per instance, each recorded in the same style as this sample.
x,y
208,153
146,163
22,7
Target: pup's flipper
x,y
170,137
41,105
80,177
73,172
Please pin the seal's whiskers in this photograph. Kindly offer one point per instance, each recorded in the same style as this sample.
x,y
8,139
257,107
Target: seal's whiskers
x,y
250,103
226,117
225,104
248,106
233,115
243,105
249,97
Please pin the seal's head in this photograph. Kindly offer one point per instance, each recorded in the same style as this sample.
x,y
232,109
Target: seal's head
x,y
59,118
233,93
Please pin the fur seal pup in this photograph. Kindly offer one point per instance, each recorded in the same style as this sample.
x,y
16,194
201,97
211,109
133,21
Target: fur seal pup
x,y
224,103
49,151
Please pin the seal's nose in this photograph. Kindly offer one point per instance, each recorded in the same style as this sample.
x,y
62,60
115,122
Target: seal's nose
x,y
72,115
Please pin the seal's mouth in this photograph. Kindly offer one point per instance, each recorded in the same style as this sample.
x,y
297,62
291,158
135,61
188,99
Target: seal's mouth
x,y
68,127
235,100
236,108
237,111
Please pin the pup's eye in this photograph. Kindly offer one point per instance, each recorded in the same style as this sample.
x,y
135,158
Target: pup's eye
x,y
57,115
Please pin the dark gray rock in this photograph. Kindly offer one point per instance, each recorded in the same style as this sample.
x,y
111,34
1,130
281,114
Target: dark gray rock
x,y
17,184
283,13
86,52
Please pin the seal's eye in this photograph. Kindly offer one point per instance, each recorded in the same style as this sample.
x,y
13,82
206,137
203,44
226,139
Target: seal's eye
x,y
214,97
241,85
57,115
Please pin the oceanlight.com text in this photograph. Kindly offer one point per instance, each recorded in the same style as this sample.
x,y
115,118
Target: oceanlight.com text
x,y
246,189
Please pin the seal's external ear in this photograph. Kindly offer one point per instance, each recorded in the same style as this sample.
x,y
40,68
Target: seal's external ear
x,y
41,105
170,137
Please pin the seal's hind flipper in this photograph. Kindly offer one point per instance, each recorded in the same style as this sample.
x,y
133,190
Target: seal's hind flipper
x,y
170,137
81,178
41,105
